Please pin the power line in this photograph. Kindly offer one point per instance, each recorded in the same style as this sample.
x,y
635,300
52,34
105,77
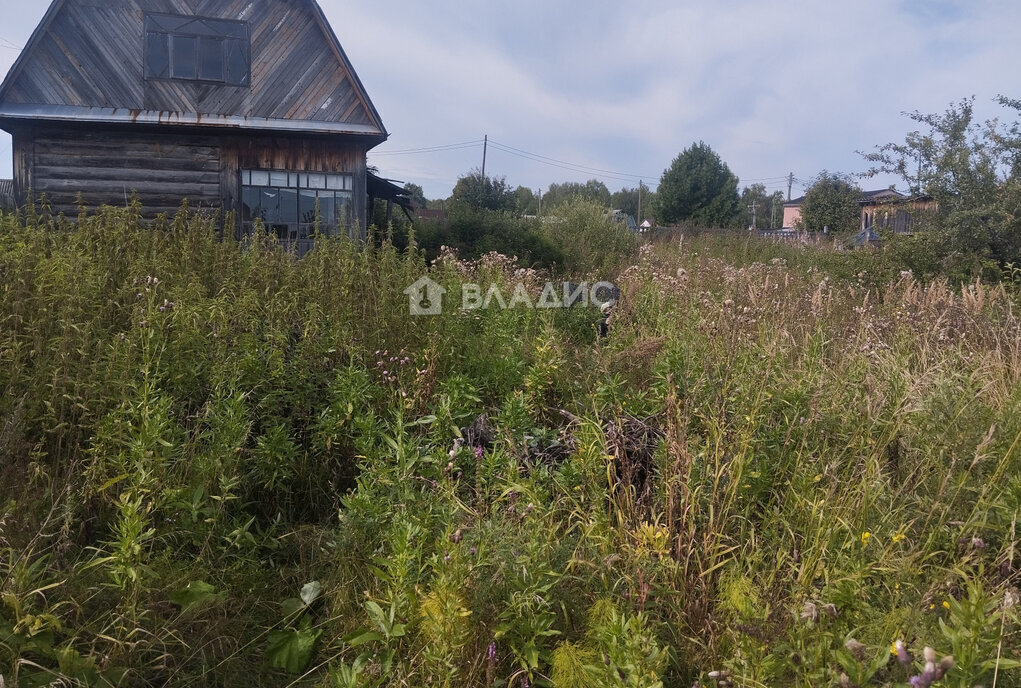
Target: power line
x,y
431,149
568,165
777,181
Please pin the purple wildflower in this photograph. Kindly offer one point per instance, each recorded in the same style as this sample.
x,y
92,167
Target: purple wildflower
x,y
478,452
902,653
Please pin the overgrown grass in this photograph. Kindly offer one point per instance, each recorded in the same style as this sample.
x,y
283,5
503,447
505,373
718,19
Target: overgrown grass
x,y
225,466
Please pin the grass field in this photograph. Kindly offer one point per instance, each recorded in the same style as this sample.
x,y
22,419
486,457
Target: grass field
x,y
223,466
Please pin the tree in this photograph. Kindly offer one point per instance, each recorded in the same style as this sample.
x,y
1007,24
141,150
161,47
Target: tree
x,y
629,201
833,201
416,194
479,192
525,201
698,188
768,208
973,172
593,190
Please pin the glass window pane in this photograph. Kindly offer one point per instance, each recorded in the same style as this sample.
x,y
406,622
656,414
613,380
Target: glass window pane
x,y
157,55
317,181
237,61
336,182
211,59
343,208
269,199
251,208
288,205
278,179
307,206
327,213
184,57
260,178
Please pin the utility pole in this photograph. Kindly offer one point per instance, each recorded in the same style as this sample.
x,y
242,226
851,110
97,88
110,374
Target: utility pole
x,y
540,201
772,215
639,202
485,148
752,208
790,183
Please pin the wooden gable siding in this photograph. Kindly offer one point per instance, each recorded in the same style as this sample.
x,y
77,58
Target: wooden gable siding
x,y
90,55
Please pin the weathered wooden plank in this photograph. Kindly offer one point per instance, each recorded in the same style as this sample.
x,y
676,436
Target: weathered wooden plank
x,y
81,174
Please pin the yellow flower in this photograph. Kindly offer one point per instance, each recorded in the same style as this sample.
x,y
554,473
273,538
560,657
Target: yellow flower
x,y
893,649
898,537
865,537
946,604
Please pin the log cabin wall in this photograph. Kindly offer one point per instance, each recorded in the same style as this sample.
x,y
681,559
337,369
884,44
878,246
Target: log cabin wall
x,y
107,165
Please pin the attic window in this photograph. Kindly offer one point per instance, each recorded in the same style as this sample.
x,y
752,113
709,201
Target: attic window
x,y
197,49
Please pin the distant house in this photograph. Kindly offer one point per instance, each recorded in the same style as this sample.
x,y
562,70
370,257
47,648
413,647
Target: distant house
x,y
250,107
881,209
792,212
625,217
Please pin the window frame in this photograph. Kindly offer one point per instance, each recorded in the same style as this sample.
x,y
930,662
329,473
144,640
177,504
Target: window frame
x,y
299,233
162,25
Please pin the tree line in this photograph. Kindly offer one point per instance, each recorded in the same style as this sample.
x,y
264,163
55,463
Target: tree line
x,y
968,171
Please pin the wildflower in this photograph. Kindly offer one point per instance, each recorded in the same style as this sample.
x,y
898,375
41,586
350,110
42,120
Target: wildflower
x,y
865,537
478,452
902,653
809,612
491,652
946,605
856,649
932,671
457,536
897,537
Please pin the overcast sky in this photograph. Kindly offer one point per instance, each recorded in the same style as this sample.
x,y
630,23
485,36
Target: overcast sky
x,y
615,90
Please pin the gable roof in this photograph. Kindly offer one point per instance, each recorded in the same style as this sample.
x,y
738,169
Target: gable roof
x,y
84,62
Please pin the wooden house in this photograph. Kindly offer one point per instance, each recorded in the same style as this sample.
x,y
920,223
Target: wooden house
x,y
244,106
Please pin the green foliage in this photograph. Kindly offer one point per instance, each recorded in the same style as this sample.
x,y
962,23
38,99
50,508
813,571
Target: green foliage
x,y
477,192
637,202
227,466
592,240
473,233
971,171
698,189
833,200
768,212
593,191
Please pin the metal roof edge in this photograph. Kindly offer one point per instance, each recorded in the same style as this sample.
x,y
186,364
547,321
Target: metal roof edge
x,y
70,113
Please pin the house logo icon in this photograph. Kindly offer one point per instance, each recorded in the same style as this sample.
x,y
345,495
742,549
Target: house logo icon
x,y
425,297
